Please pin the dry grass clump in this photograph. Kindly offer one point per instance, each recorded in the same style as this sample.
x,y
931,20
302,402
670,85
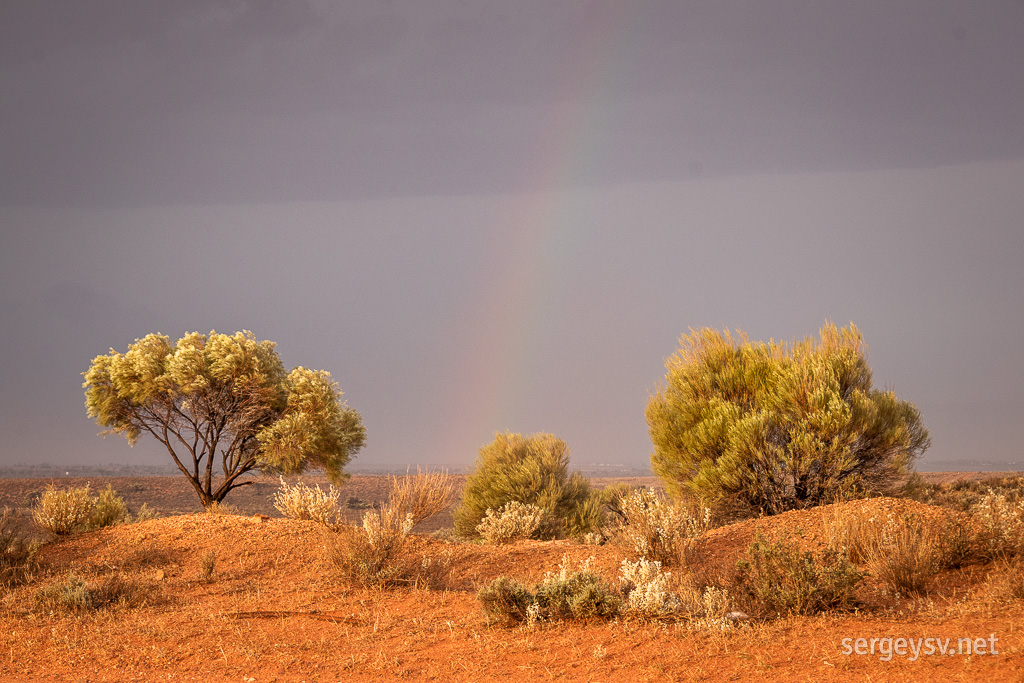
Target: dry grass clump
x,y
305,503
903,551
1000,516
379,554
1007,580
510,522
75,595
658,529
62,512
17,554
906,555
778,579
647,589
219,508
422,495
207,565
65,511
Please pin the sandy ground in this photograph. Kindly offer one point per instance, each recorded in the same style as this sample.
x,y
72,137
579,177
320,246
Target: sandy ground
x,y
274,609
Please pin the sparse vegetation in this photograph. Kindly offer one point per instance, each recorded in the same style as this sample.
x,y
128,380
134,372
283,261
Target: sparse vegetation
x,y
658,529
779,579
533,470
109,509
207,565
304,502
1000,516
779,427
262,583
64,511
17,554
74,594
511,522
422,495
563,595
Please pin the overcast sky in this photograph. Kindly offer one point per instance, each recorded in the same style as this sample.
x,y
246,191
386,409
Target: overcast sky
x,y
501,216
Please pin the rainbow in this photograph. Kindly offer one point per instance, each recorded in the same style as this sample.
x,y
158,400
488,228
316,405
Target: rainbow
x,y
512,316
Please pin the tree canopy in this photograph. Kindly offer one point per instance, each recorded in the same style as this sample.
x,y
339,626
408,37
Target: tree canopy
x,y
777,427
224,399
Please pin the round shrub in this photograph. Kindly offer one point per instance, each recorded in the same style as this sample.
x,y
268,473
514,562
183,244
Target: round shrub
x,y
533,470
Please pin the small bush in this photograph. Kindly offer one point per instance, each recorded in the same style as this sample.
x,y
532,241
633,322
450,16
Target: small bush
x,y
660,530
374,557
422,495
109,509
529,469
505,601
561,595
72,595
305,503
779,579
905,555
1000,516
387,528
362,563
579,594
706,607
959,544
511,522
62,512
647,589
145,513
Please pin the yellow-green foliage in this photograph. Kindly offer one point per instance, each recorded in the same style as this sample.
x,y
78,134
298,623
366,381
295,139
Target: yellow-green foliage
x,y
780,579
109,509
527,469
777,427
223,397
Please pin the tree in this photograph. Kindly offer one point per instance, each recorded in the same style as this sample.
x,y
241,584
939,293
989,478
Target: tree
x,y
777,427
528,469
227,398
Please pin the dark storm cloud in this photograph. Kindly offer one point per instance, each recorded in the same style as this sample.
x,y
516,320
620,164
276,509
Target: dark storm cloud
x,y
134,103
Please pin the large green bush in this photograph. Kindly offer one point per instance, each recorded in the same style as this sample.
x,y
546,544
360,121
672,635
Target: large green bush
x,y
774,427
533,470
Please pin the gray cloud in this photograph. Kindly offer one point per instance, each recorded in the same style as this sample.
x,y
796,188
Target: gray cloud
x,y
134,103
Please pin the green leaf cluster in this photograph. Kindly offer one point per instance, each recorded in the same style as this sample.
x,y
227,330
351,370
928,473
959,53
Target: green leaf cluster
x,y
225,399
529,469
775,427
